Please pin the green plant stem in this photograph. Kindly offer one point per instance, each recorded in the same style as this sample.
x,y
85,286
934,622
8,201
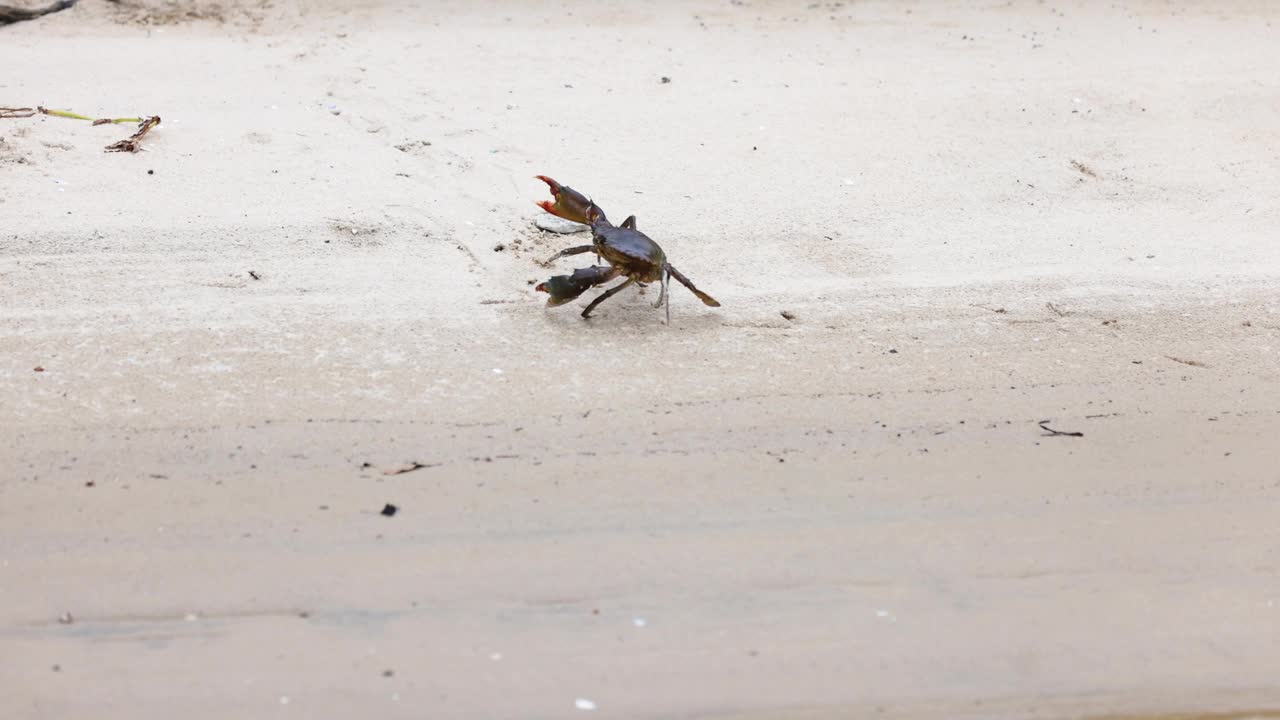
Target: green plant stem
x,y
97,121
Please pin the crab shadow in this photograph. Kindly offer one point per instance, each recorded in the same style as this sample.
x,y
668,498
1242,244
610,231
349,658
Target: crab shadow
x,y
634,314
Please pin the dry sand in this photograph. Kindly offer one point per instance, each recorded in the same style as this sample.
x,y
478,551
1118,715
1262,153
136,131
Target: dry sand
x,y
980,216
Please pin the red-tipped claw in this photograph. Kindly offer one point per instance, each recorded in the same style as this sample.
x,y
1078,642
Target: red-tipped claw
x,y
569,203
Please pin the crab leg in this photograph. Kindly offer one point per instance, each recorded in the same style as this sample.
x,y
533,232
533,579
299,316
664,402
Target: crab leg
x,y
662,293
576,250
705,298
605,296
10,14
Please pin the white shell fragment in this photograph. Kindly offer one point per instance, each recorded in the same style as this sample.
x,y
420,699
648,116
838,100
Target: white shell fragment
x,y
554,224
584,704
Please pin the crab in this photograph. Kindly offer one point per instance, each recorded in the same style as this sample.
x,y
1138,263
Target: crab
x,y
629,253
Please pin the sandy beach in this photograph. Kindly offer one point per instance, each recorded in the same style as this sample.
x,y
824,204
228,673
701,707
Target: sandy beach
x,y
987,426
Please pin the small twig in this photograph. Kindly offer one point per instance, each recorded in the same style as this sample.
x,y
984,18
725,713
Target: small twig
x,y
996,310
407,467
1050,432
1184,361
1056,310
17,112
1083,169
130,144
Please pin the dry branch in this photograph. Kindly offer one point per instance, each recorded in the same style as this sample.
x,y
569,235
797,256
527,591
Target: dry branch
x,y
129,144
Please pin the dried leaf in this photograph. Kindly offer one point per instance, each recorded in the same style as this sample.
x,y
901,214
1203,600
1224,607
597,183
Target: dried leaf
x,y
131,143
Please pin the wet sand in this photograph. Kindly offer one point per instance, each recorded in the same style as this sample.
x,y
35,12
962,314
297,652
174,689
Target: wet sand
x,y
979,220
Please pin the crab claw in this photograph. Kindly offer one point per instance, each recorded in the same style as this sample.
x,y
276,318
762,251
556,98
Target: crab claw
x,y
569,203
567,288
561,290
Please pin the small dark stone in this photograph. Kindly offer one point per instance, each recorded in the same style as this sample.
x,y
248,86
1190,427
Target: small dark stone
x,y
388,673
499,247
388,510
666,80
151,172
892,351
